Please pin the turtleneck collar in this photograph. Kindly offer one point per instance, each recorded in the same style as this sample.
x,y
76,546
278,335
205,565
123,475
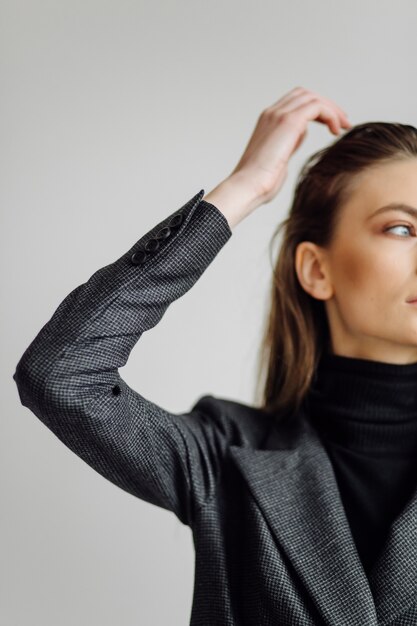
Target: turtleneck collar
x,y
365,405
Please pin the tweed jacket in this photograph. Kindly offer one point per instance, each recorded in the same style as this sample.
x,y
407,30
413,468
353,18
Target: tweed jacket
x,y
272,542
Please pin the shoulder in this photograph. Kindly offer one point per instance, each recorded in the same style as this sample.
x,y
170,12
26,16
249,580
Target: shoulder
x,y
245,423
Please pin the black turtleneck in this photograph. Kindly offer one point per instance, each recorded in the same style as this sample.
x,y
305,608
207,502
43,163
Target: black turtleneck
x,y
365,412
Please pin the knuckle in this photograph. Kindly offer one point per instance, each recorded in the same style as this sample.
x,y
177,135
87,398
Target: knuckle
x,y
288,116
265,113
277,113
272,113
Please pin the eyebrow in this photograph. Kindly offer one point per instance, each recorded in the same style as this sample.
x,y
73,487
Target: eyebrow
x,y
396,206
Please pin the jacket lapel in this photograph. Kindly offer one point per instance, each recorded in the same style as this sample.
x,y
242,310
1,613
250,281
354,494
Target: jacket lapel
x,y
393,579
293,482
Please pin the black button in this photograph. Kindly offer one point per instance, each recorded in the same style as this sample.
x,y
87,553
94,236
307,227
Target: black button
x,y
138,257
164,233
152,245
116,390
176,220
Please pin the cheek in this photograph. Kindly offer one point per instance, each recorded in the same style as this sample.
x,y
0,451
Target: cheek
x,y
364,284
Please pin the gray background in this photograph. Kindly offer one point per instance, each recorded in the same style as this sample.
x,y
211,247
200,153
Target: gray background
x,y
113,115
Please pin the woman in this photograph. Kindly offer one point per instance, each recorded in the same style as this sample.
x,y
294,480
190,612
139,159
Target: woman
x,y
303,509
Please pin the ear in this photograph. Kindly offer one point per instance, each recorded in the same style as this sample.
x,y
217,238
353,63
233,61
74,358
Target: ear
x,y
311,270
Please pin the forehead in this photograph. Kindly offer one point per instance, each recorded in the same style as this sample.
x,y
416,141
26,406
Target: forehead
x,y
388,183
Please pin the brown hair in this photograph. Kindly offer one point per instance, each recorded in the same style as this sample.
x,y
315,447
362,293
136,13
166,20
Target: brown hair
x,y
296,328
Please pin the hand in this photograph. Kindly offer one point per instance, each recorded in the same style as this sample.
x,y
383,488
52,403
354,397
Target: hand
x,y
279,131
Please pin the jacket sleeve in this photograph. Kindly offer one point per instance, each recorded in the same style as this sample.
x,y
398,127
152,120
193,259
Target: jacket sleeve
x,y
68,376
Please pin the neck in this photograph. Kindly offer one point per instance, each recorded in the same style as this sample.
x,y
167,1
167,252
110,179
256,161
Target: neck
x,y
366,405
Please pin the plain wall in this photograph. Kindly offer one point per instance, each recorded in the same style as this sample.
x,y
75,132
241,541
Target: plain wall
x,y
113,115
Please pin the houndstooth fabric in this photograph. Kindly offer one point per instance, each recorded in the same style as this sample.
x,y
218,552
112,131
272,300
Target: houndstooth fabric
x,y
272,543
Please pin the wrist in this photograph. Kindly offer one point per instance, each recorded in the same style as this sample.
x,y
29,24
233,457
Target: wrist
x,y
234,197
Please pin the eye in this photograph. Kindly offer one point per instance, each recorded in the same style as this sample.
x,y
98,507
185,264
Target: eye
x,y
410,228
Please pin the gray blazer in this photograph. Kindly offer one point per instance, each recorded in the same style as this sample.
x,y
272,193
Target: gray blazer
x,y
272,543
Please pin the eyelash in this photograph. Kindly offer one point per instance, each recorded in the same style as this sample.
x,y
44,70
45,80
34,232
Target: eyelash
x,y
397,226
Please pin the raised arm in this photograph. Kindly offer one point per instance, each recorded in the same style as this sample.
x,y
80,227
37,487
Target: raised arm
x,y
69,375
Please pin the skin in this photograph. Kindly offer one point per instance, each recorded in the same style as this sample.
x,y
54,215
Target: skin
x,y
366,275
262,169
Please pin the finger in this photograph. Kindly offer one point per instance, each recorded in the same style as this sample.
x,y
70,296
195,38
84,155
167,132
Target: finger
x,y
300,96
342,113
303,97
326,114
331,111
288,97
324,99
316,110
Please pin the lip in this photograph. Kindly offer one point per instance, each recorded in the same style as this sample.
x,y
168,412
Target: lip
x,y
412,301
